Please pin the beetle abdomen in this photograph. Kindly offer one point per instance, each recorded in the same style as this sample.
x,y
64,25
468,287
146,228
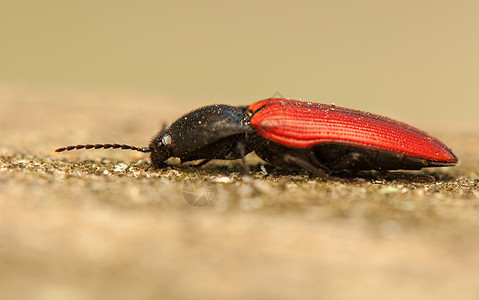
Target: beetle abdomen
x,y
300,124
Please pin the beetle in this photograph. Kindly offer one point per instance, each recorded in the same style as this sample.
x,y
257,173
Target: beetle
x,y
317,137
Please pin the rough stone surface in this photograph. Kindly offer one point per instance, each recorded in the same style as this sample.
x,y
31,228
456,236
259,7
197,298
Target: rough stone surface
x,y
95,224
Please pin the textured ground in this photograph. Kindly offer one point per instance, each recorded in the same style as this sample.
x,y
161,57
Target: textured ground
x,y
85,224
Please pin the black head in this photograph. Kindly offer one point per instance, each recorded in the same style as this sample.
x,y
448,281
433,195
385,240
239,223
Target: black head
x,y
210,132
160,148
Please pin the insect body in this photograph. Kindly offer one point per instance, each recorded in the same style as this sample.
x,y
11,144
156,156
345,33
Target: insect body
x,y
315,137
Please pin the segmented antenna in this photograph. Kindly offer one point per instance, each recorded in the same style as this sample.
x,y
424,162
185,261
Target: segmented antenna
x,y
103,146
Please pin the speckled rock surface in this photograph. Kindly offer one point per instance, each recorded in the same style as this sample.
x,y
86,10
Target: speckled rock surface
x,y
96,224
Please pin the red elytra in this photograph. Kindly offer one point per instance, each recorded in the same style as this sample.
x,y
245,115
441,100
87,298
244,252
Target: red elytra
x,y
299,124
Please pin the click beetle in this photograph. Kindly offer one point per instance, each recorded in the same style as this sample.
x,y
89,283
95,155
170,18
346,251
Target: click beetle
x,y
317,137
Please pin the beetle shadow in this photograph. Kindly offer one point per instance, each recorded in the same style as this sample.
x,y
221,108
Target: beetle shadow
x,y
260,168
394,176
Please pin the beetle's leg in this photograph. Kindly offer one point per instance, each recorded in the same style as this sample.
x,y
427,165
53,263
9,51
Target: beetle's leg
x,y
307,166
348,161
242,151
201,163
383,172
410,176
388,175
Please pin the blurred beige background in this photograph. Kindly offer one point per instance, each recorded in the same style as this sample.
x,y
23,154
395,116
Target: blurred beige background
x,y
406,59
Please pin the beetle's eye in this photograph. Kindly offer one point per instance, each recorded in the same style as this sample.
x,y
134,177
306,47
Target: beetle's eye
x,y
166,140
